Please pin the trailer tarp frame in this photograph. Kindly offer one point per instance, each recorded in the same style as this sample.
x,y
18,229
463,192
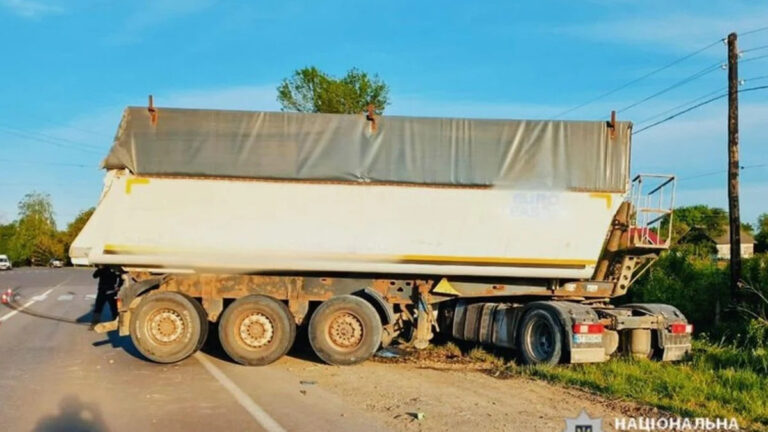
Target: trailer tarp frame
x,y
522,154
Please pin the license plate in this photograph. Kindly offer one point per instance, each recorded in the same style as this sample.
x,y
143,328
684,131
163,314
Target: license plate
x,y
587,338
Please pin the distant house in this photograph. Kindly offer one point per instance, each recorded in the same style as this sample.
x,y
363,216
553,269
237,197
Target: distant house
x,y
719,246
723,244
645,235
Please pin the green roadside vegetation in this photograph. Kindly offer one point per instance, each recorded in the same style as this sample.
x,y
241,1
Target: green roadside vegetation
x,y
33,238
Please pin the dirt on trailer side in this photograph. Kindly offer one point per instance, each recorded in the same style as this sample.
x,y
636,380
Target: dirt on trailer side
x,y
434,396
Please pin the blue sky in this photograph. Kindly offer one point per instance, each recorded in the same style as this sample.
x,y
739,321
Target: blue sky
x,y
69,68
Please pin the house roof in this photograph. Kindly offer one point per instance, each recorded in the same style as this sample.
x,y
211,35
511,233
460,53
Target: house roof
x,y
651,235
725,238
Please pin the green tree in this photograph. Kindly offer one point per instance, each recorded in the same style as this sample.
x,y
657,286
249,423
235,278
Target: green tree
x,y
761,239
35,237
6,234
748,228
74,228
312,90
711,220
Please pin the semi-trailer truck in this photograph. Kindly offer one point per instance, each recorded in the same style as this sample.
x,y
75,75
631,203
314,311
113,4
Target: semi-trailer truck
x,y
372,230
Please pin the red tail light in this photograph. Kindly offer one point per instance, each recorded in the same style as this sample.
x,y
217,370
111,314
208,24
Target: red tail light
x,y
681,328
588,328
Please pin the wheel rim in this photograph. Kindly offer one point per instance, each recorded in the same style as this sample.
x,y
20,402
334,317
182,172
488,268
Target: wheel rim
x,y
256,330
345,331
540,340
166,326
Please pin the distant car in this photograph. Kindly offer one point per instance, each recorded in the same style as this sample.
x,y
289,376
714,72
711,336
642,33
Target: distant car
x,y
5,263
55,263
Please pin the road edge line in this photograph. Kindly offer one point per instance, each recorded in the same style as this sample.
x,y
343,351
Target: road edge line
x,y
29,303
258,413
24,306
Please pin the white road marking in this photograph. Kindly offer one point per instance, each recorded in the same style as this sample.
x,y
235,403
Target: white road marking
x,y
66,297
34,299
261,416
90,296
22,307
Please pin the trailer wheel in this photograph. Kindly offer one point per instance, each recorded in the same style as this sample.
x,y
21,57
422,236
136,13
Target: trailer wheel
x,y
256,330
167,327
540,340
345,330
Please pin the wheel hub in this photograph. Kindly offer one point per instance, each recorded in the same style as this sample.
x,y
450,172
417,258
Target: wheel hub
x,y
346,330
256,330
166,325
543,343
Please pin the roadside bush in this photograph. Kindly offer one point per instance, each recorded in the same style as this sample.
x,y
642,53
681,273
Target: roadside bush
x,y
695,286
700,289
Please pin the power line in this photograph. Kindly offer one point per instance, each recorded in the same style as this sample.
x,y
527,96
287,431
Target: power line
x,y
754,58
757,78
754,31
675,108
711,173
49,141
65,125
636,80
722,89
693,77
47,163
762,47
51,137
708,101
753,89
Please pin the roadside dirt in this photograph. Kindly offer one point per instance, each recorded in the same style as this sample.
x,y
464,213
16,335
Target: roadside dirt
x,y
457,397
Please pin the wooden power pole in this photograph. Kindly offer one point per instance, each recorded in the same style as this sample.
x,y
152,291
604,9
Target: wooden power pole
x,y
733,164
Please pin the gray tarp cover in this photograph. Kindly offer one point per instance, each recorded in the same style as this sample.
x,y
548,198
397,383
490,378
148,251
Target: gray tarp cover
x,y
526,154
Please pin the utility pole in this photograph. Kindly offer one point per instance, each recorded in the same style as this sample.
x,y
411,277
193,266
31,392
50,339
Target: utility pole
x,y
733,164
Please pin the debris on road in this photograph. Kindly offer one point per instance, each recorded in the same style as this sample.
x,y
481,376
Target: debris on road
x,y
418,415
389,353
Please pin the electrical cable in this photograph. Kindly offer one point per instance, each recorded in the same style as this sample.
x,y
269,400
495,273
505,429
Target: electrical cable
x,y
636,80
711,173
708,101
49,141
690,78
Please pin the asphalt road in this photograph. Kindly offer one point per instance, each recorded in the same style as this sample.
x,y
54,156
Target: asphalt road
x,y
55,375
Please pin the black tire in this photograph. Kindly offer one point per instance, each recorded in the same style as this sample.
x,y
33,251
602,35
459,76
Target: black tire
x,y
167,327
345,330
256,330
540,338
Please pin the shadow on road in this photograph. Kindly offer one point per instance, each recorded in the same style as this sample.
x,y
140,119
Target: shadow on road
x,y
120,342
73,415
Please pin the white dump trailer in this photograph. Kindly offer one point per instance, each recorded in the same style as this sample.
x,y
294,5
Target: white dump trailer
x,y
379,229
